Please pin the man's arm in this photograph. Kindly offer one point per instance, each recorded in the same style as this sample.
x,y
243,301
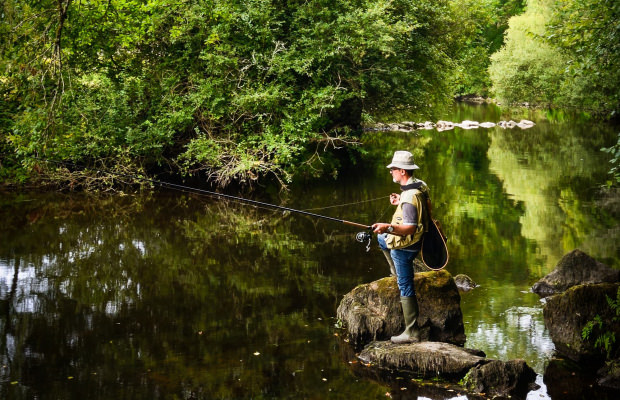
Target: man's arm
x,y
408,227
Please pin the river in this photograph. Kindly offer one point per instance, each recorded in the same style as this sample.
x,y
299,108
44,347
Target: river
x,y
171,295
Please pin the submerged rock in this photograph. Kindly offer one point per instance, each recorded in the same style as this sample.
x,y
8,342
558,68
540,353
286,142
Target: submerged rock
x,y
566,379
501,378
609,375
575,268
566,315
464,282
372,311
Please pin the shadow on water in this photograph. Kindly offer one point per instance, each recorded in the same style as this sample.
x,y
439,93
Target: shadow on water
x,y
171,295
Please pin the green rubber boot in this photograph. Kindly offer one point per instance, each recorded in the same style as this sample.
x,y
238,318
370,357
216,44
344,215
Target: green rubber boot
x,y
388,257
410,312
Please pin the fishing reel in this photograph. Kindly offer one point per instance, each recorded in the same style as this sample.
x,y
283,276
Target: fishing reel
x,y
363,237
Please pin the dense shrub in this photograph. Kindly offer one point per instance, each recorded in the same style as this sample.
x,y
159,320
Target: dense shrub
x,y
233,90
563,54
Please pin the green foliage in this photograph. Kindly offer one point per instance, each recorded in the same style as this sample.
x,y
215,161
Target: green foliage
x,y
562,53
587,31
527,69
614,171
480,33
606,338
235,91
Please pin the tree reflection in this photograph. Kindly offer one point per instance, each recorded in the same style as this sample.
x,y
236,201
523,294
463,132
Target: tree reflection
x,y
158,294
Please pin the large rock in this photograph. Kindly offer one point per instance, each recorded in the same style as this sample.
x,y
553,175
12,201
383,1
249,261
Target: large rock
x,y
435,359
568,380
501,378
567,313
426,359
372,311
575,268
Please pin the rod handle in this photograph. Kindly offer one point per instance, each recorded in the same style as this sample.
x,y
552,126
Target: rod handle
x,y
356,224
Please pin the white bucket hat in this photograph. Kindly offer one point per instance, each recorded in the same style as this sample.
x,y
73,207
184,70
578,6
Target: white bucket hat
x,y
403,160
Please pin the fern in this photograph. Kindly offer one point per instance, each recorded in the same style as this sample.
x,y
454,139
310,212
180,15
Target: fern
x,y
606,338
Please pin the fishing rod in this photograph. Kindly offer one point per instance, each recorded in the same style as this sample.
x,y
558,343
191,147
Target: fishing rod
x,y
361,235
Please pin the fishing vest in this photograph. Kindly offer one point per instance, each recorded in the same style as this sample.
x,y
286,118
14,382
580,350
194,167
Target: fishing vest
x,y
416,197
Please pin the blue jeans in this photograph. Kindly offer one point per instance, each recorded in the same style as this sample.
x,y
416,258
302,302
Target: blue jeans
x,y
403,262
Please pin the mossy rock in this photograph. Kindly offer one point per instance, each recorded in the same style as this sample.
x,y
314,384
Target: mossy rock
x,y
372,311
575,268
567,313
501,378
426,359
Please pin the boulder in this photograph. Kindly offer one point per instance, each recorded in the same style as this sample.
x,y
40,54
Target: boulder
x,y
372,311
501,378
435,359
426,359
567,313
575,268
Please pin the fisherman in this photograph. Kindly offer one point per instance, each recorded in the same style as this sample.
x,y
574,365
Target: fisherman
x,y
401,240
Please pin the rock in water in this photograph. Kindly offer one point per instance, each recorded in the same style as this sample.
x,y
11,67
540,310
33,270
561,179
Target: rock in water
x,y
567,313
433,359
575,268
427,359
501,378
464,282
372,311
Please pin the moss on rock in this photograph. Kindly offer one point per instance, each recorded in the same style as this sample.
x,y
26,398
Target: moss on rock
x,y
372,311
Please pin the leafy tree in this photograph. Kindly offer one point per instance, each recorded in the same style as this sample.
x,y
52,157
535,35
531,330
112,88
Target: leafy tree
x,y
481,27
526,68
232,90
588,31
562,53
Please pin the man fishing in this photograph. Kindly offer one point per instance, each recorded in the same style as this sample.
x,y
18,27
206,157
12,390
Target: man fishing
x,y
401,240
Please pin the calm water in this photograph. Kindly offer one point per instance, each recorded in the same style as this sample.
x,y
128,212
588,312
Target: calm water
x,y
167,295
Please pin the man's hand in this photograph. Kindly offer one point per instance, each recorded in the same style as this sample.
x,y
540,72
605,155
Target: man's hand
x,y
380,227
394,199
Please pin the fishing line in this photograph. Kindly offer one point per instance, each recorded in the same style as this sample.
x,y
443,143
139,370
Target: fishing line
x,y
213,194
346,204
